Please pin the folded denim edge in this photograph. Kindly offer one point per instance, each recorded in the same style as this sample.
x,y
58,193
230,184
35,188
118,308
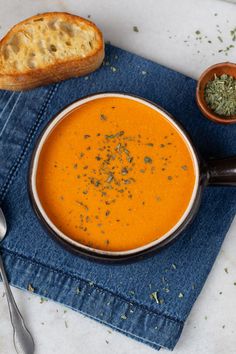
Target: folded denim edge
x,y
132,319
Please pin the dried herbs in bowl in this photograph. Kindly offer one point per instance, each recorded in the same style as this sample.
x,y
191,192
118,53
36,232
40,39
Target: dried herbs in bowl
x,y
220,95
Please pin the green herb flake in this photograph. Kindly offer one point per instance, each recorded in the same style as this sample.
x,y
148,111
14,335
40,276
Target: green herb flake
x,y
30,288
155,297
233,34
116,135
184,167
110,178
113,68
173,266
197,32
181,295
103,117
135,29
226,270
220,39
42,300
123,317
147,159
124,171
66,324
77,291
150,144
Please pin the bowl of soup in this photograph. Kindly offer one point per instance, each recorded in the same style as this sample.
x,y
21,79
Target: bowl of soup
x,y
114,176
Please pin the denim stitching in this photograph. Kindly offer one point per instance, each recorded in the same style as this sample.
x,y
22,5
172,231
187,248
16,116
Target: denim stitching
x,y
8,118
96,287
6,105
3,94
123,331
28,140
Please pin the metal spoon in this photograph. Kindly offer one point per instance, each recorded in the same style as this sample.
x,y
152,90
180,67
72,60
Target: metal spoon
x,y
23,341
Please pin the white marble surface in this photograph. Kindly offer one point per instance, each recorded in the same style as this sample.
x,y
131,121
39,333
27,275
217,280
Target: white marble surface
x,y
211,327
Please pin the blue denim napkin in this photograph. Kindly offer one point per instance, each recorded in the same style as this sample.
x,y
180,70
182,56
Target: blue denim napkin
x,y
119,296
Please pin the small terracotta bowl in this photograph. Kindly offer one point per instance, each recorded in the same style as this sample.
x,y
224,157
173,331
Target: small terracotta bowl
x,y
207,75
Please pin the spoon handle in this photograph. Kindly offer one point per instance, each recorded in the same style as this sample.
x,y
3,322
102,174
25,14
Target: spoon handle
x,y
23,340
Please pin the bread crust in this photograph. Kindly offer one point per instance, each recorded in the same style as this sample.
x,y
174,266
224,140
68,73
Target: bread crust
x,y
60,69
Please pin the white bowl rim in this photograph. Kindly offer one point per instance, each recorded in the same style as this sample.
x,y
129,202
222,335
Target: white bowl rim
x,y
61,115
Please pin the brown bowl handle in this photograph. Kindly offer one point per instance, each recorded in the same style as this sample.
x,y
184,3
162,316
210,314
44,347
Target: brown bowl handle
x,y
222,172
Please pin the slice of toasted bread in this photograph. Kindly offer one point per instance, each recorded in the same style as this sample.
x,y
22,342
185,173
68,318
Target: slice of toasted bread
x,y
47,48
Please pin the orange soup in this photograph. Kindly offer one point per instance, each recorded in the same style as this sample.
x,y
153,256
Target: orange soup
x,y
114,174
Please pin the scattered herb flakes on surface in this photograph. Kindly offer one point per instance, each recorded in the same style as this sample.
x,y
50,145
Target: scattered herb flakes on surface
x,y
154,296
42,300
30,288
233,34
113,68
135,29
226,270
